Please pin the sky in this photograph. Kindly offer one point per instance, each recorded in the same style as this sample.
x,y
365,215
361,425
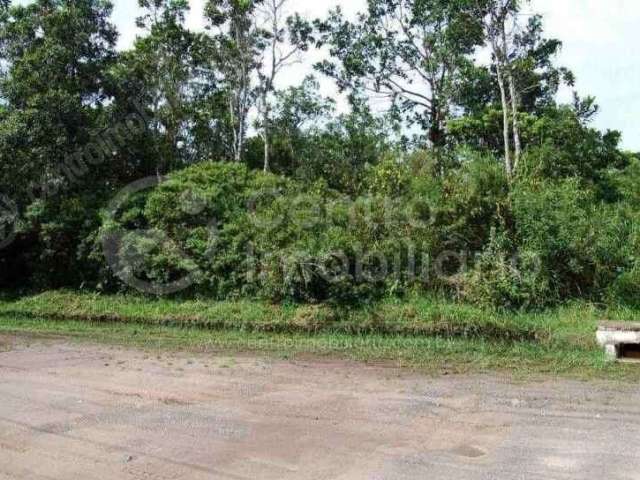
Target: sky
x,y
600,40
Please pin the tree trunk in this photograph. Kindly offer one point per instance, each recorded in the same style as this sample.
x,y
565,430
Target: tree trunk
x,y
267,144
267,166
234,127
498,35
265,131
436,129
241,124
516,126
240,143
505,122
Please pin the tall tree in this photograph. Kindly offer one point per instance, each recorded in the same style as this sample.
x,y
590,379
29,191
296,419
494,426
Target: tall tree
x,y
407,51
298,115
56,54
499,101
237,41
522,60
161,72
284,37
55,89
499,13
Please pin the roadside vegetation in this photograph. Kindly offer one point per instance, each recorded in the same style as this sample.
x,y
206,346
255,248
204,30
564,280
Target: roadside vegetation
x,y
174,189
431,335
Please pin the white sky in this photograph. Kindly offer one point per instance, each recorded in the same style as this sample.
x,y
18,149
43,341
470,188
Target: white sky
x,y
601,45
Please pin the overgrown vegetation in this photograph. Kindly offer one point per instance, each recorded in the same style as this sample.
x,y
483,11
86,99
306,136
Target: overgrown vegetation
x,y
430,334
474,184
470,235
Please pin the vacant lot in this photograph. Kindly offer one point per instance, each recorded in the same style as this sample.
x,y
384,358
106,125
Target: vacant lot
x,y
71,410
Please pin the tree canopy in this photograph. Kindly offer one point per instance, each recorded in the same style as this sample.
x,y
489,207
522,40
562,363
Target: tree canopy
x,y
454,169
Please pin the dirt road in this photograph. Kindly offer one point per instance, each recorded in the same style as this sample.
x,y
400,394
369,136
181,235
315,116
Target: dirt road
x,y
70,411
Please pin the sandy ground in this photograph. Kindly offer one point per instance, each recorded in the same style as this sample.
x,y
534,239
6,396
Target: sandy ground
x,y
71,411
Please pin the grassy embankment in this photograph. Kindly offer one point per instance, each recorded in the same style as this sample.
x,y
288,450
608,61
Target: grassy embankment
x,y
431,335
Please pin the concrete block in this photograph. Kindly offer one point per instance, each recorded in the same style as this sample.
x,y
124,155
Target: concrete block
x,y
617,337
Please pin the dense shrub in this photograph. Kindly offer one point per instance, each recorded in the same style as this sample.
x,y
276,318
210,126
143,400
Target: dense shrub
x,y
343,250
237,232
504,276
188,227
233,232
564,243
54,242
472,201
363,204
581,242
625,290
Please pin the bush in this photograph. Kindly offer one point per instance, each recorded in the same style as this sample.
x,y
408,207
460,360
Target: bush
x,y
187,227
625,290
229,232
505,277
341,250
466,202
559,241
581,242
233,232
56,241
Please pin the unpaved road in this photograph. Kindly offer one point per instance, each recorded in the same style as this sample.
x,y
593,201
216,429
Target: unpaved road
x,y
70,411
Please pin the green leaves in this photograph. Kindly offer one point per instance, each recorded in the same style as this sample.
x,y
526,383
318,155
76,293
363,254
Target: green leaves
x,y
408,52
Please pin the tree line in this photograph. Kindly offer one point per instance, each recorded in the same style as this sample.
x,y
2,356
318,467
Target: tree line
x,y
452,108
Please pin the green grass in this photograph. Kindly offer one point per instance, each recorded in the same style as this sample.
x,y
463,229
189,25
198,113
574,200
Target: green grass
x,y
430,335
